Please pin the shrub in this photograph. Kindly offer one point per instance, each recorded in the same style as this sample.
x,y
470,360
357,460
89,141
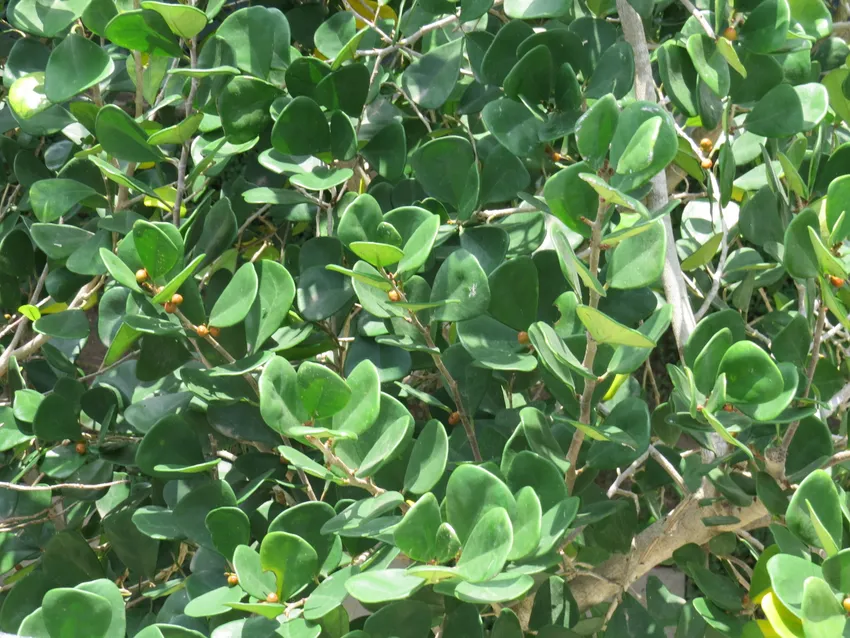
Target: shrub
x,y
473,313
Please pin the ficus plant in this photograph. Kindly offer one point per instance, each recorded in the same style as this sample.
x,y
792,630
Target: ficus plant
x,y
424,318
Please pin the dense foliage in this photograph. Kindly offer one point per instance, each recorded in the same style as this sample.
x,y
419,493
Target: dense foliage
x,y
424,318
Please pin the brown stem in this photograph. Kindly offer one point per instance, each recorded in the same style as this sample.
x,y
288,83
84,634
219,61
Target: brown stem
x,y
810,375
184,153
585,402
465,416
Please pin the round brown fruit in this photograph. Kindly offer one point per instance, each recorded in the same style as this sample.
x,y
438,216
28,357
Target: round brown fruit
x,y
232,579
176,298
836,281
846,604
214,332
730,34
80,448
202,330
170,307
706,145
522,337
141,276
707,164
454,417
271,598
393,295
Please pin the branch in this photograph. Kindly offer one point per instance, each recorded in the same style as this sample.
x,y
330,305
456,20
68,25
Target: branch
x,y
810,375
184,153
674,284
585,402
657,543
15,487
34,345
699,18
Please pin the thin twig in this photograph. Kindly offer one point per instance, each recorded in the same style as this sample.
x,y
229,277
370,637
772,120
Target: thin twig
x,y
585,402
622,476
699,18
665,463
184,153
810,375
59,486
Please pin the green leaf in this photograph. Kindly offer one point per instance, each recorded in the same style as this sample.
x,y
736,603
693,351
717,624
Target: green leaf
x,y
679,76
69,324
291,559
513,124
787,110
471,492
301,129
816,495
45,18
252,578
787,577
279,402
571,199
377,586
229,527
460,278
184,21
766,28
178,133
66,610
259,38
362,409
595,129
75,65
144,31
321,391
378,254
427,459
638,261
752,377
822,614
572,267
431,79
534,9
709,63
486,550
614,73
27,95
169,442
156,249
606,330
235,301
121,137
531,76
52,198
174,285
243,106
494,345
443,167
418,247
416,534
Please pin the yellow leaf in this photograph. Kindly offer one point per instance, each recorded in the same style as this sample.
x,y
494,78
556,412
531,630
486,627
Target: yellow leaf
x,y
54,308
366,10
168,195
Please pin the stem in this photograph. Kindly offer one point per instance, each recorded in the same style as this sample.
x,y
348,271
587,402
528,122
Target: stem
x,y
810,374
675,290
184,153
16,487
465,418
585,402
